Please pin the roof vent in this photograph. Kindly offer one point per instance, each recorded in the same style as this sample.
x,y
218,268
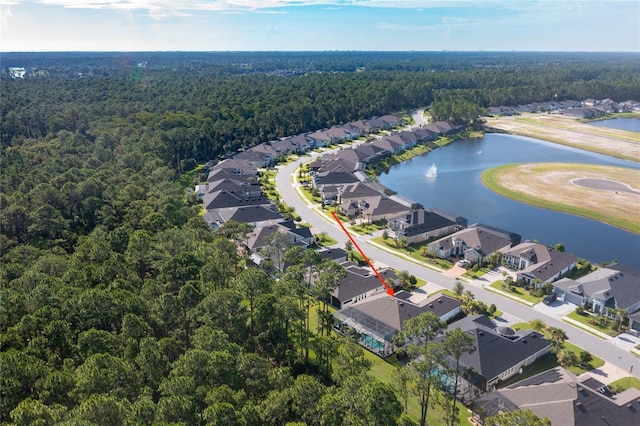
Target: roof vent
x,y
431,305
440,300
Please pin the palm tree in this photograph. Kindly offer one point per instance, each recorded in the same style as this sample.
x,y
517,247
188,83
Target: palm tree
x,y
567,358
467,299
458,288
557,336
538,325
620,316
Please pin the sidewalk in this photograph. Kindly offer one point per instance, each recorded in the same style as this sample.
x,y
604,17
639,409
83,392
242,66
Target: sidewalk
x,y
587,329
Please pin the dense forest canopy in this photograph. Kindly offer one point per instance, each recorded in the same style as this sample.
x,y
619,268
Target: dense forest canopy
x,y
118,305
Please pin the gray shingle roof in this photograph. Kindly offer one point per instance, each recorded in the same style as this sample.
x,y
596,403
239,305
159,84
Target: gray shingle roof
x,y
496,353
394,311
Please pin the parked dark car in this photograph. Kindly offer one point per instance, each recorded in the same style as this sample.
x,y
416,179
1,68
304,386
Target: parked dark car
x,y
549,298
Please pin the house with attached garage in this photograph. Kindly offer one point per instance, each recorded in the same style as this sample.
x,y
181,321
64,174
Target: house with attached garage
x,y
420,225
538,264
379,318
474,243
373,209
255,215
604,290
330,184
359,284
258,155
237,166
501,353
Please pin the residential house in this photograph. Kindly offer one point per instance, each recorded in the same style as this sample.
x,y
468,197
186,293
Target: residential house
x,y
259,240
356,192
255,215
223,198
360,283
337,255
373,209
420,225
330,184
248,188
334,163
538,264
320,138
258,155
474,244
388,145
614,287
380,317
286,146
583,113
391,121
237,166
500,354
423,134
363,153
362,126
564,399
351,131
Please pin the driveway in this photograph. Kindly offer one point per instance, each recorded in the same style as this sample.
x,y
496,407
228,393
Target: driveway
x,y
556,309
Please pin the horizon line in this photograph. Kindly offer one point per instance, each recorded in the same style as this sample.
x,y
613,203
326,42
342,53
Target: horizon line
x,y
320,51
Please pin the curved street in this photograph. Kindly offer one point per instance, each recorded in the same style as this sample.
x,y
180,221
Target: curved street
x,y
613,354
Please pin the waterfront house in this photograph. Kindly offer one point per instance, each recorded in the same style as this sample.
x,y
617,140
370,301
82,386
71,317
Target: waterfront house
x,y
474,243
537,263
420,225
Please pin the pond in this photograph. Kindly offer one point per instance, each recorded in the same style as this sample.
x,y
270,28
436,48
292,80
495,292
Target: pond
x,y
448,178
627,123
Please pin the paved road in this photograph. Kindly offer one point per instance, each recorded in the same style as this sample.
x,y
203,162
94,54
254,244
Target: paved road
x,y
597,346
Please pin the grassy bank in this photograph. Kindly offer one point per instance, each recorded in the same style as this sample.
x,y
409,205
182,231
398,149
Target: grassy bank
x,y
492,178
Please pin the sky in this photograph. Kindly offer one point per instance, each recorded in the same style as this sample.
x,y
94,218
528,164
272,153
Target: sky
x,y
318,25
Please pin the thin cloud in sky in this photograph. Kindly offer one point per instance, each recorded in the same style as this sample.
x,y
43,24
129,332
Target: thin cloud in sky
x,y
226,5
603,25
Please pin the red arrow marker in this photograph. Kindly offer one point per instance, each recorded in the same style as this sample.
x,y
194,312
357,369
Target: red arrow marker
x,y
387,286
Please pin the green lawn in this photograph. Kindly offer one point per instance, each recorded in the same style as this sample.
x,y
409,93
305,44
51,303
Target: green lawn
x,y
414,251
624,384
475,274
601,327
517,292
365,228
325,240
550,361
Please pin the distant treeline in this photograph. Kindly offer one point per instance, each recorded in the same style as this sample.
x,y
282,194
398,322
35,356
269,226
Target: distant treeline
x,y
187,116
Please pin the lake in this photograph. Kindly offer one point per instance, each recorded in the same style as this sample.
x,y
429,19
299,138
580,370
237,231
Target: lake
x,y
627,123
457,188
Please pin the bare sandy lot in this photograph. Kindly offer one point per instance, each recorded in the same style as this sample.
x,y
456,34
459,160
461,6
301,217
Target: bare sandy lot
x,y
604,193
569,131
